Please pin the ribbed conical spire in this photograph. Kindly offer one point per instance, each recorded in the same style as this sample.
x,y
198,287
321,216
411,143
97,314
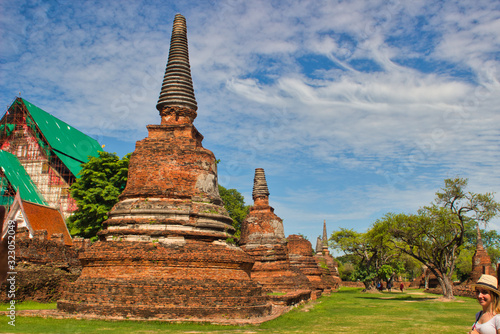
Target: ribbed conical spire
x,y
325,240
260,184
177,88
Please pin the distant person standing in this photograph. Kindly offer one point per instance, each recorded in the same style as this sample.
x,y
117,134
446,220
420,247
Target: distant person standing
x,y
401,287
487,295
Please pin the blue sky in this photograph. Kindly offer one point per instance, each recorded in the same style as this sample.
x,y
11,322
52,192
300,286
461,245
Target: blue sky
x,y
353,108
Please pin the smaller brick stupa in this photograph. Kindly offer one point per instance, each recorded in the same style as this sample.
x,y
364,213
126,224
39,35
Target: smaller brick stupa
x,y
326,261
163,252
301,257
263,237
326,276
481,261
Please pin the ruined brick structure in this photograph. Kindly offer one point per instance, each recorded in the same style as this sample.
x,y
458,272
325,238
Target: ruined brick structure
x,y
163,253
481,261
263,237
44,264
301,258
46,255
326,261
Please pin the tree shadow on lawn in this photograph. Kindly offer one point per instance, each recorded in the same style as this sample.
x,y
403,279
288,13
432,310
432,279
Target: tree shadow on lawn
x,y
399,298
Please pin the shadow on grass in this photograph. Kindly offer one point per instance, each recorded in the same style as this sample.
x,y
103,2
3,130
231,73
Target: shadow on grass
x,y
397,296
401,298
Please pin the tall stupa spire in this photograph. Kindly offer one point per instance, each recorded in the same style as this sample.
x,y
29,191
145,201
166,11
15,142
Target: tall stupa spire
x,y
325,236
260,184
177,88
479,239
325,240
163,251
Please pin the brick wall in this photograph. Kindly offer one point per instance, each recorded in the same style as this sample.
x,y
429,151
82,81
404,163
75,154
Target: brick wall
x,y
43,266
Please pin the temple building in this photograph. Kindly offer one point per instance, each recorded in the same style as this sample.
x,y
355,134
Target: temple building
x,y
35,219
263,237
163,252
41,157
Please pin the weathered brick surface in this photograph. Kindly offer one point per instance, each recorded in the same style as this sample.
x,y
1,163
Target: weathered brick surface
x,y
481,261
263,237
291,298
302,259
163,251
165,281
326,262
328,273
43,266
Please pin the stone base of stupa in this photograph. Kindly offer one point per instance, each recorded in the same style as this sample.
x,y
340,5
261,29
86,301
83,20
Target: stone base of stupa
x,y
145,280
272,269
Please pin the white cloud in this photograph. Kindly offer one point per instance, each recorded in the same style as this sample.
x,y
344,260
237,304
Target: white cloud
x,y
402,93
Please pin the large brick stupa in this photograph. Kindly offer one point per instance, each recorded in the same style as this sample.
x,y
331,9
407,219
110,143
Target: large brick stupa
x,y
263,237
163,251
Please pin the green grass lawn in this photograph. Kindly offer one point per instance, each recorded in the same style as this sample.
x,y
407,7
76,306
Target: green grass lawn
x,y
347,311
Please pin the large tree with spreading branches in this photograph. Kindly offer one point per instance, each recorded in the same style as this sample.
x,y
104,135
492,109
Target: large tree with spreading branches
x,y
435,234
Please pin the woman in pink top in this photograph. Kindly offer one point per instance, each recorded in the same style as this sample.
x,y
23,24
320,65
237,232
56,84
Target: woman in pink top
x,y
488,296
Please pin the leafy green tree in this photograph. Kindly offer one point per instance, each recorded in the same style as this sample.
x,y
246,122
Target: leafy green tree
x,y
463,265
234,202
386,273
347,263
412,267
371,249
346,270
435,235
101,181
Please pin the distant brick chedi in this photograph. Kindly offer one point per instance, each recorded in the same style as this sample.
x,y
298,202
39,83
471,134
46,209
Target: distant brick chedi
x,y
326,262
301,258
481,261
263,237
163,252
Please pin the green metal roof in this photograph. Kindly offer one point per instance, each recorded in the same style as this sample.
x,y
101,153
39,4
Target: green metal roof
x,y
19,179
71,145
